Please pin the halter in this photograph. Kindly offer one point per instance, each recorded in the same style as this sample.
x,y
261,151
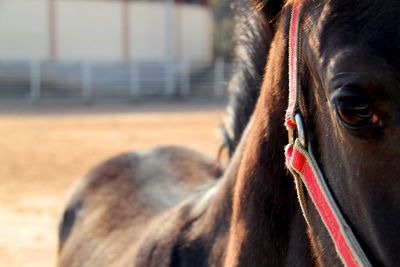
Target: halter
x,y
301,163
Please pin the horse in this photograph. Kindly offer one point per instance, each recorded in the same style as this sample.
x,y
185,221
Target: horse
x,y
176,207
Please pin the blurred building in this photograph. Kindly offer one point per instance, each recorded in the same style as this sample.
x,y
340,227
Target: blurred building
x,y
73,50
113,30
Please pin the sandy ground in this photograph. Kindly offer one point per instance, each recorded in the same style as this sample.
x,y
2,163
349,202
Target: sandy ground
x,y
45,149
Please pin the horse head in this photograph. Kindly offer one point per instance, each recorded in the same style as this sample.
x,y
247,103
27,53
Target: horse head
x,y
351,78
349,75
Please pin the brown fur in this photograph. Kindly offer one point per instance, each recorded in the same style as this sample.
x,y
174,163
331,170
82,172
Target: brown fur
x,y
121,198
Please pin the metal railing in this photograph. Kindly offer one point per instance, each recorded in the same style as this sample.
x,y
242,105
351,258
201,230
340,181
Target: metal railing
x,y
86,81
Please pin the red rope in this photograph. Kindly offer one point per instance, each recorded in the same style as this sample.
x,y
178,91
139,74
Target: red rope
x,y
302,164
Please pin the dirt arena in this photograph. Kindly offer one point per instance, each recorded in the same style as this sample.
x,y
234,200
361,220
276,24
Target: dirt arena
x,y
45,149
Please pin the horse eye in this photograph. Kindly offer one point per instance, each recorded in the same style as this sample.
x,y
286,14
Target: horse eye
x,y
354,110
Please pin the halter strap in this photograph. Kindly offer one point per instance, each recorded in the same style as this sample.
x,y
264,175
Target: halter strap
x,y
304,167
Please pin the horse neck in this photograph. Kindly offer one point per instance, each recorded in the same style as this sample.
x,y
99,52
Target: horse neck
x,y
267,227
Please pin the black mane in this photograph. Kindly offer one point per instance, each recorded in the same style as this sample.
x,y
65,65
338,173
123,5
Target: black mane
x,y
252,44
253,35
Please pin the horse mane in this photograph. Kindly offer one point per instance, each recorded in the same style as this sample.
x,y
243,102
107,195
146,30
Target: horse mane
x,y
254,22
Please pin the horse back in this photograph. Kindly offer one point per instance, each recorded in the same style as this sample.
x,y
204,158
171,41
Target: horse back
x,y
111,209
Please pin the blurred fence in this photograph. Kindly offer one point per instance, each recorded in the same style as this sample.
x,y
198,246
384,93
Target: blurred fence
x,y
87,81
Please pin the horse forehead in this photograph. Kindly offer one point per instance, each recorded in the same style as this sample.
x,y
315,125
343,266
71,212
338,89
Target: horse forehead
x,y
371,27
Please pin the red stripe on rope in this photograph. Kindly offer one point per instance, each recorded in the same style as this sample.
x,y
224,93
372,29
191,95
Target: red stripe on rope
x,y
300,163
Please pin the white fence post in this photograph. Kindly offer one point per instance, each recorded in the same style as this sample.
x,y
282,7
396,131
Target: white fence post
x,y
185,78
169,81
35,83
170,44
219,77
134,79
87,93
